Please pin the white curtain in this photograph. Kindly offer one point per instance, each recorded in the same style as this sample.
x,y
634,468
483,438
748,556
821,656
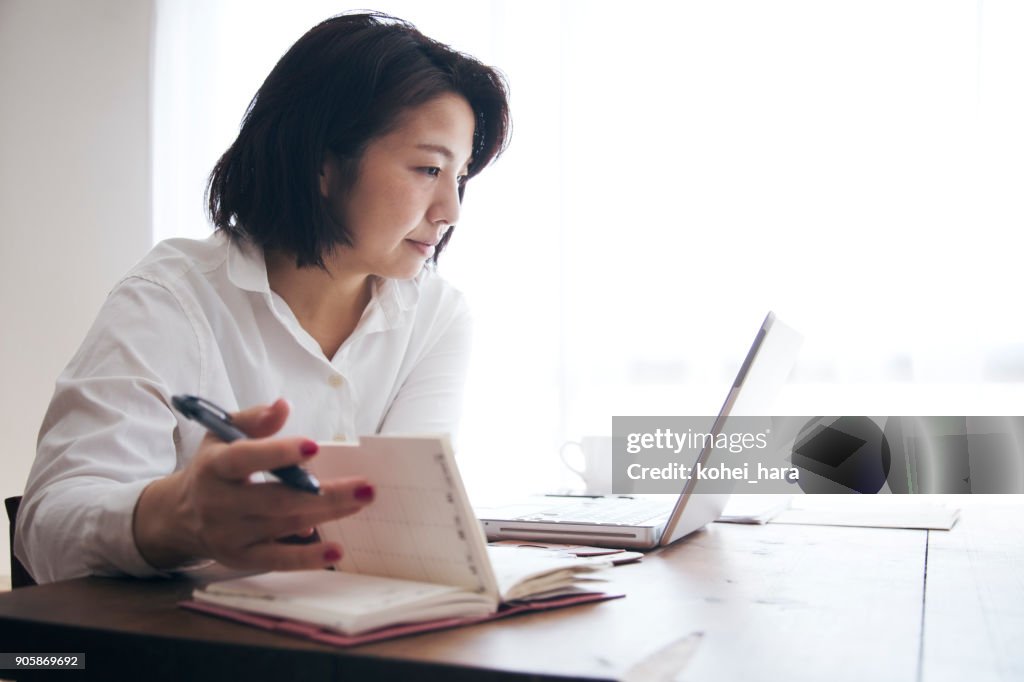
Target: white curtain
x,y
676,170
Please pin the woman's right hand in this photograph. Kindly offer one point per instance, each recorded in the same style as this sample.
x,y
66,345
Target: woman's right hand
x,y
210,509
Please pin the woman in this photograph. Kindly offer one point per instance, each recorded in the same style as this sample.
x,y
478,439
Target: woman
x,y
315,300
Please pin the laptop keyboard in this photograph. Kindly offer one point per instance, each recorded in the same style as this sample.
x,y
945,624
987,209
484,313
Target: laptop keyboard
x,y
624,512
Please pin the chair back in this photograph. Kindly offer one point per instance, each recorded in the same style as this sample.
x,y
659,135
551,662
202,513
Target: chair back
x,y
19,576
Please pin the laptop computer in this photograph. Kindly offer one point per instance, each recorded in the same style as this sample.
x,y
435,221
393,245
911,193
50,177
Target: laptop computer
x,y
648,521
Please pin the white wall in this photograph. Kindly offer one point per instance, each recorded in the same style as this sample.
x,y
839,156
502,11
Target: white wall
x,y
74,192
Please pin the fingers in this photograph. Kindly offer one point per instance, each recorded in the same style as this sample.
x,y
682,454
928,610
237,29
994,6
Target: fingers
x,y
282,511
238,523
288,512
238,460
273,557
262,420
234,524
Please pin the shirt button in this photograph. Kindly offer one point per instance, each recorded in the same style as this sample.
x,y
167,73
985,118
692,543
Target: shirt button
x,y
335,380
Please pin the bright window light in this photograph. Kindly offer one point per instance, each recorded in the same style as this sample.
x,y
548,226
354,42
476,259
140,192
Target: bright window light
x,y
676,170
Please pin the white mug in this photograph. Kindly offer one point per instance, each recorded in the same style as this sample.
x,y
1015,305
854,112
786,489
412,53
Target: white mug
x,y
596,468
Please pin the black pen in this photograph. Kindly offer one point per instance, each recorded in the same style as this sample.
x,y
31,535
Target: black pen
x,y
219,422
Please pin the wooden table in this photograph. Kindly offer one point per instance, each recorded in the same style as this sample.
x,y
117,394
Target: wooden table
x,y
732,602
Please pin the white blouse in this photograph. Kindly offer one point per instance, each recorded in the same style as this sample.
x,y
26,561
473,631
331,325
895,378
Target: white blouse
x,y
199,317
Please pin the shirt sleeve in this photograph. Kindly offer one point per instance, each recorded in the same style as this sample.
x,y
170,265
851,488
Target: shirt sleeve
x,y
430,399
109,431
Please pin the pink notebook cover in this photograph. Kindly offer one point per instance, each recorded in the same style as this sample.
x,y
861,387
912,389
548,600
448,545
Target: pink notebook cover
x,y
318,634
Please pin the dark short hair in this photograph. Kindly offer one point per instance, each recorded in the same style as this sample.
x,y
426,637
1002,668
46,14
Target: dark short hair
x,y
343,84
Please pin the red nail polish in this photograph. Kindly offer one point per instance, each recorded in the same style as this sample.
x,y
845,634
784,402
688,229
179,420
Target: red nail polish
x,y
364,493
332,555
309,448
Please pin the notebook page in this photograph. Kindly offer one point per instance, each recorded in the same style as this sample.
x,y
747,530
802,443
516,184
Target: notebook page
x,y
420,525
345,602
523,573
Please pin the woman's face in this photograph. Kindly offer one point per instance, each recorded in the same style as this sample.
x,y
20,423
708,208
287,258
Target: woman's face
x,y
406,194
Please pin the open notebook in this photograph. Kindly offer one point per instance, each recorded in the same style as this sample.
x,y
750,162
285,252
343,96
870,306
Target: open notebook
x,y
417,555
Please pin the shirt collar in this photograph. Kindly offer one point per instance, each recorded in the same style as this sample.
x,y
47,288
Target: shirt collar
x,y
395,299
247,270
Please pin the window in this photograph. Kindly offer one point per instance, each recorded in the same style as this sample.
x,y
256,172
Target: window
x,y
676,170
